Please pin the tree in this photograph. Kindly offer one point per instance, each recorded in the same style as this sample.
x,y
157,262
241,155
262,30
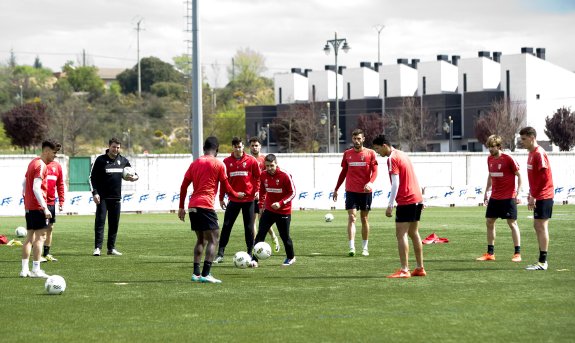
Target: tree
x,y
297,129
504,118
152,70
26,125
70,121
37,63
371,125
560,128
82,79
412,125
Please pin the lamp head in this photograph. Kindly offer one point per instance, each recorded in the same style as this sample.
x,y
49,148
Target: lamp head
x,y
345,47
326,49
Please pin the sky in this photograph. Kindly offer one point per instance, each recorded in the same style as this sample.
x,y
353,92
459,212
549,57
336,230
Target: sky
x,y
288,33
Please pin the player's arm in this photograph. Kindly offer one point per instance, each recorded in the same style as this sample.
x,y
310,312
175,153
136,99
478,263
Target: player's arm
x,y
340,179
224,182
95,178
487,188
183,192
60,187
289,190
37,189
518,174
369,186
392,194
263,193
256,175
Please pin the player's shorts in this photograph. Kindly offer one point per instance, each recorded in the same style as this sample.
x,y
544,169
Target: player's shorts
x,y
358,201
256,206
408,213
501,208
36,220
203,219
543,209
52,209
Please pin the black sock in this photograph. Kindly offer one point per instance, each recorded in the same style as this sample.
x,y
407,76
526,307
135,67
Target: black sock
x,y
206,270
542,256
221,251
46,250
518,249
196,269
490,249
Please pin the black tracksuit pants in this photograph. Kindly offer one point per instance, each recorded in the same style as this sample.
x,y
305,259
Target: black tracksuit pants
x,y
112,208
232,212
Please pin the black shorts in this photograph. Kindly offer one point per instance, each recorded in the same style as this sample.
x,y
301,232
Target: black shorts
x,y
52,209
256,206
543,209
501,208
408,213
36,220
358,201
203,219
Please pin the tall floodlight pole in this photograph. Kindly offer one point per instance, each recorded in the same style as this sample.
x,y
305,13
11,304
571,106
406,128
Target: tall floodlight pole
x,y
196,112
379,28
336,43
139,69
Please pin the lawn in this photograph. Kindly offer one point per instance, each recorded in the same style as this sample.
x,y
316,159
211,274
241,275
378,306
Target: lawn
x,y
146,295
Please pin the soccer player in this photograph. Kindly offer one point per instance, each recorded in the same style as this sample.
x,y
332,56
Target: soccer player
x,y
255,148
205,173
277,191
503,201
106,182
359,170
243,173
37,213
406,191
55,184
541,192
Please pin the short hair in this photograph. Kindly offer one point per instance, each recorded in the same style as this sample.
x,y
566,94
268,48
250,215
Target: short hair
x,y
211,143
114,140
236,140
357,132
255,139
528,131
52,144
271,158
494,140
381,140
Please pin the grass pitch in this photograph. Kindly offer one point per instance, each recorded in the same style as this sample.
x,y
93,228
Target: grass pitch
x,y
146,295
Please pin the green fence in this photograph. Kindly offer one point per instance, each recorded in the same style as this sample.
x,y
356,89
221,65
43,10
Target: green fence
x,y
79,174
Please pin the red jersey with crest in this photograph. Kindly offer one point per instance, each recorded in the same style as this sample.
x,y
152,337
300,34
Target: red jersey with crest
x,y
261,161
243,175
502,171
204,174
55,182
358,169
409,191
277,188
36,169
539,175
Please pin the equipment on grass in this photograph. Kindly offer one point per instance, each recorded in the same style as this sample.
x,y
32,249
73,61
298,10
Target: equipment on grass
x,y
20,231
262,250
328,217
128,172
242,259
55,284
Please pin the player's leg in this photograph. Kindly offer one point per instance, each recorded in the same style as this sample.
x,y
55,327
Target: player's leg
x,y
515,234
416,241
351,206
491,214
99,223
541,227
27,246
46,256
248,218
37,245
541,214
364,214
401,230
266,221
274,239
114,210
230,216
283,224
256,217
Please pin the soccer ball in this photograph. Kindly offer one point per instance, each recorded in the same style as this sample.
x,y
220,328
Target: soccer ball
x,y
262,250
21,231
328,217
55,284
127,172
242,259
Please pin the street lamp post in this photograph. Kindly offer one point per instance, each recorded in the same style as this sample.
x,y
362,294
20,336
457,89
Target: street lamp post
x,y
379,28
448,128
336,43
325,119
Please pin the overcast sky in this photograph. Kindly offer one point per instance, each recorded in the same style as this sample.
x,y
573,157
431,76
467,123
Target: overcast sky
x,y
288,33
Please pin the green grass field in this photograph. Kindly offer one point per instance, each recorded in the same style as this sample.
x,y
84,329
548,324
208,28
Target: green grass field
x,y
146,295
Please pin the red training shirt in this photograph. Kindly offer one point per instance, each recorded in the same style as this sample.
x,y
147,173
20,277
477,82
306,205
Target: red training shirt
x,y
243,175
277,188
539,175
502,170
36,169
358,169
55,181
409,191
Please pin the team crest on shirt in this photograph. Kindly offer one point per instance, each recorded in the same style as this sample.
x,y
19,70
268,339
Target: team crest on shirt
x,y
53,169
499,166
277,181
118,162
362,158
266,182
244,164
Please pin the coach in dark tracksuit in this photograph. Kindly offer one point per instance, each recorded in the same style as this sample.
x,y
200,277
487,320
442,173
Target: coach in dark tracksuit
x,y
106,182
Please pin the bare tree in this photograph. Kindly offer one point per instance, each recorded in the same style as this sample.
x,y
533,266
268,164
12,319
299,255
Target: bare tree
x,y
297,129
412,125
372,125
560,128
504,118
72,120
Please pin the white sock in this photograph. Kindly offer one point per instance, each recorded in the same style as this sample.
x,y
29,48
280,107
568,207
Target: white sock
x,y
352,243
35,266
364,244
25,266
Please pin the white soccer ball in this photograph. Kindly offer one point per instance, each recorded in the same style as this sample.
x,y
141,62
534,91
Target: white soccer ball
x,y
328,217
262,250
21,231
242,259
55,284
128,172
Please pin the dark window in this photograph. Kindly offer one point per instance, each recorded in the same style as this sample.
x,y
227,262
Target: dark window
x,y
348,91
313,93
464,82
280,96
385,88
508,84
424,86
